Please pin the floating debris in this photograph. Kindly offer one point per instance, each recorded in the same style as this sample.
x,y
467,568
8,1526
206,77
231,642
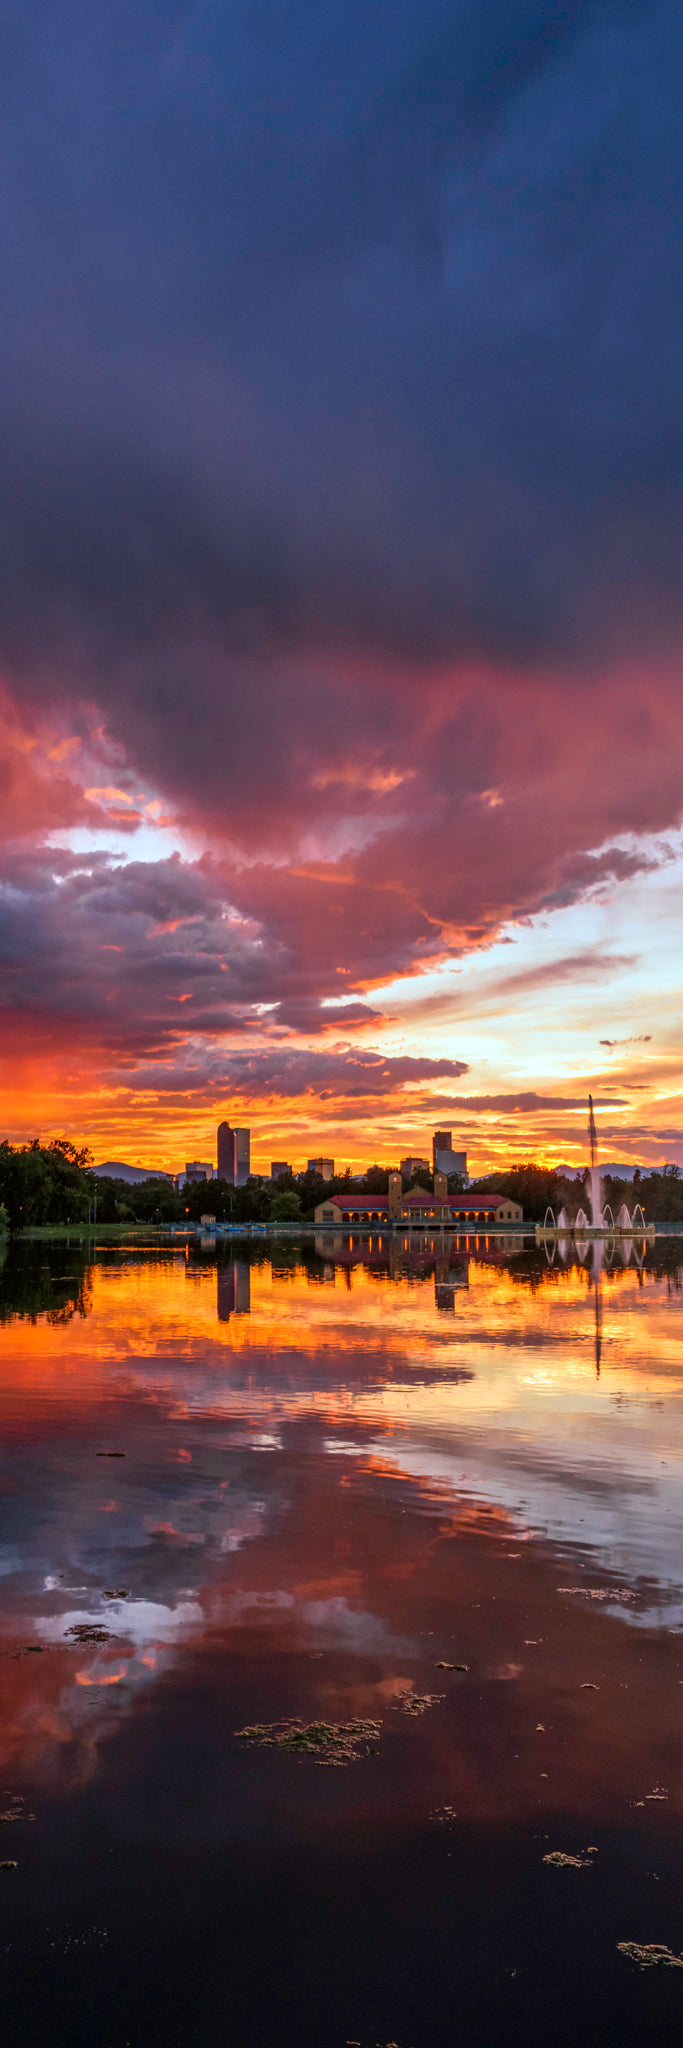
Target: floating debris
x,y
561,1861
647,1953
110,1454
88,1632
26,1650
8,1865
658,1792
443,1815
588,1686
329,1742
116,1593
418,1702
443,1666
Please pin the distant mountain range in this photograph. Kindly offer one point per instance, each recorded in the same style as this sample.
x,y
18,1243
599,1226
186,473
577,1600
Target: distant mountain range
x,y
615,1167
116,1169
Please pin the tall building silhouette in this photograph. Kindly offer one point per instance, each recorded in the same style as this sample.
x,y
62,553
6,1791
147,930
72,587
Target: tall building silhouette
x,y
444,1159
233,1155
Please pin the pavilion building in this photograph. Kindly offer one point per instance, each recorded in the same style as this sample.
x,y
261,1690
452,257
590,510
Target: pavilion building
x,y
419,1209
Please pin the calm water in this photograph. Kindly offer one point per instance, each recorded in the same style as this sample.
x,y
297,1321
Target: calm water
x,y
342,1471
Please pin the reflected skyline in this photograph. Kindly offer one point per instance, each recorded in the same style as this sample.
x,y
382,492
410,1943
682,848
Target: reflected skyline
x,y
233,1289
290,1482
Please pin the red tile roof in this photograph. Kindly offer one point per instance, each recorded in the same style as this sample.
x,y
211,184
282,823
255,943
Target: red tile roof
x,y
419,1198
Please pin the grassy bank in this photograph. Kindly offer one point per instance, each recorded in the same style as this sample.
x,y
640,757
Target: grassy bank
x,y
86,1233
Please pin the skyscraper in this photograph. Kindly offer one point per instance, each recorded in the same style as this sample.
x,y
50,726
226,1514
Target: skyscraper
x,y
226,1154
444,1159
242,1155
233,1155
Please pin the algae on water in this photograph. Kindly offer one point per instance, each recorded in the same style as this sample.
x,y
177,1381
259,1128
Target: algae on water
x,y
418,1702
561,1861
647,1953
328,1742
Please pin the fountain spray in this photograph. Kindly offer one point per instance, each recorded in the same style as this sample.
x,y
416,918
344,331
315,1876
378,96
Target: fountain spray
x,y
596,1211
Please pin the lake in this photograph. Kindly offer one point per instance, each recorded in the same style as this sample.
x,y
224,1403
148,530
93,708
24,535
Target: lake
x,y
411,1516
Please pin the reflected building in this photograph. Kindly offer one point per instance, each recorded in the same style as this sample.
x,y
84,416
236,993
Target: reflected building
x,y
233,1290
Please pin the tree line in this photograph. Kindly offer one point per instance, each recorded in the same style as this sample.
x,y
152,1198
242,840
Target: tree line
x,y
55,1184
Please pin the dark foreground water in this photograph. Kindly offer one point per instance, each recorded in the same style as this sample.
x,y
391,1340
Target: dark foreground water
x,y
350,1485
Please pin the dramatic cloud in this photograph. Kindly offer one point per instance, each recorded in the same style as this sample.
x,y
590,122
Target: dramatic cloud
x,y
343,507
523,1102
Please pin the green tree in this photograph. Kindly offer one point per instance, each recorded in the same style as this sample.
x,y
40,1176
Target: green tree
x,y
285,1208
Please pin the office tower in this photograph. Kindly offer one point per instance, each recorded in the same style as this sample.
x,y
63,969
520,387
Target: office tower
x,y
451,1162
325,1167
233,1155
226,1154
445,1160
242,1156
278,1166
198,1169
410,1165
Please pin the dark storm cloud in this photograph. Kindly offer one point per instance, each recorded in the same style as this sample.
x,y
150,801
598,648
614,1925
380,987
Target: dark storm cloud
x,y
147,952
342,322
346,1079
310,1017
343,454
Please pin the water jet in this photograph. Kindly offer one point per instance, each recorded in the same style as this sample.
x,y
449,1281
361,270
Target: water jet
x,y
601,1224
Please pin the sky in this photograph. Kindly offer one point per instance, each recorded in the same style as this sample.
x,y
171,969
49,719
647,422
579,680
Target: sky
x,y
341,721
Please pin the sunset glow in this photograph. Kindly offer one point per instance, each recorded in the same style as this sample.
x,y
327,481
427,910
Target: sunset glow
x,y
341,728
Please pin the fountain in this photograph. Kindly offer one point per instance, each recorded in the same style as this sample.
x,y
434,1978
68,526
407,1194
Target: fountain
x,y
602,1224
594,1175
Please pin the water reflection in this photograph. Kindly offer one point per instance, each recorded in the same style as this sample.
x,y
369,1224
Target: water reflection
x,y
233,1289
299,1480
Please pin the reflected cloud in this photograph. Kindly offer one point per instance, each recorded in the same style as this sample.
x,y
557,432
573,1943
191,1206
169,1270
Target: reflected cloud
x,y
291,1444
